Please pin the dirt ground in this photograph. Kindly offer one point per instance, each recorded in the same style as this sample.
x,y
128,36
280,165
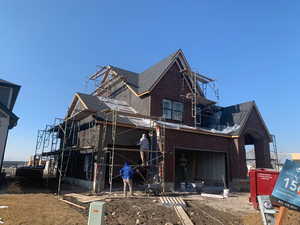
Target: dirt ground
x,y
46,209
293,218
139,211
38,209
28,205
202,214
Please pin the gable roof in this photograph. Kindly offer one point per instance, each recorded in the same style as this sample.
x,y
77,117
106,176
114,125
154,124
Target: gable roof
x,y
16,89
148,78
96,106
238,115
99,103
131,78
142,83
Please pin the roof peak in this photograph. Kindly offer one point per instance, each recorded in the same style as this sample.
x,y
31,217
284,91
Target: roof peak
x,y
143,82
8,83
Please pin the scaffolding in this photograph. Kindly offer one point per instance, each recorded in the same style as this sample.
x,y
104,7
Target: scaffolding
x,y
67,129
55,145
70,127
155,163
62,138
198,83
274,154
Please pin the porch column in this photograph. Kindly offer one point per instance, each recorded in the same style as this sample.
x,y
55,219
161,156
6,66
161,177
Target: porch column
x,y
239,166
262,154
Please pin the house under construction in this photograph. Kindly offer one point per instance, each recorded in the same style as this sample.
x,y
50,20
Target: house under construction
x,y
192,139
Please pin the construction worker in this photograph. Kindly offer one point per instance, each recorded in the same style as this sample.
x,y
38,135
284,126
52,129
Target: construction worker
x,y
144,145
127,174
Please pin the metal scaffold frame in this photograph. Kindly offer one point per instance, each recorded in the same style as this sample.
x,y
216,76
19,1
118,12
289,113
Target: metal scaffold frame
x,y
70,128
113,150
198,83
275,153
50,144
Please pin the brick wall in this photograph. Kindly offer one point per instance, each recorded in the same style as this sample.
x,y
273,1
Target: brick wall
x,y
254,126
171,87
176,139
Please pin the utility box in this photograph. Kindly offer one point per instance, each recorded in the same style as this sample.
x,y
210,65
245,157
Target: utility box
x,y
262,182
96,213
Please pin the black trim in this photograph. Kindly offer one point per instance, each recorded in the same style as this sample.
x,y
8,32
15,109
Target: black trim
x,y
172,110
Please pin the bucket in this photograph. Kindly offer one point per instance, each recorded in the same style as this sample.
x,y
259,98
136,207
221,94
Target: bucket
x,y
226,193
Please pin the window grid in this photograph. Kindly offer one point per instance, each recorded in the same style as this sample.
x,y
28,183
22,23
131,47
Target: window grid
x,y
172,110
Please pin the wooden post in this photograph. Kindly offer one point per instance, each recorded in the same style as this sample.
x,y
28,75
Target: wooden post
x,y
280,217
95,178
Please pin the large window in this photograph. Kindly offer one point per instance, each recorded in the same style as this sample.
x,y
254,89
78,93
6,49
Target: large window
x,y
172,110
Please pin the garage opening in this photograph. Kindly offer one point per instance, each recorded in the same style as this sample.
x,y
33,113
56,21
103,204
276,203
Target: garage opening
x,y
194,166
250,156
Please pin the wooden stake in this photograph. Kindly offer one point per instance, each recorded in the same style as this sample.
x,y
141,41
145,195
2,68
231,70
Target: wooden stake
x,y
280,217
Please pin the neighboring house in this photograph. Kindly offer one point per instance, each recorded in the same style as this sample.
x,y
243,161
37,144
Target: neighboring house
x,y
8,120
169,94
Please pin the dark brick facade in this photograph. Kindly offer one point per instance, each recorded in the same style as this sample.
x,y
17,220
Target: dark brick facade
x,y
173,87
176,139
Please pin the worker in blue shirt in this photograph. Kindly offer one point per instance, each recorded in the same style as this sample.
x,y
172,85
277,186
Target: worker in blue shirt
x,y
127,174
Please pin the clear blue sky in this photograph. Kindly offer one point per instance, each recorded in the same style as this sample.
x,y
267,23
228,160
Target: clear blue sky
x,y
251,47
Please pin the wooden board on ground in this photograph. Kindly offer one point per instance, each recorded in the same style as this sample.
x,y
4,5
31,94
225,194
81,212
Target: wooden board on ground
x,y
177,203
73,204
184,218
84,198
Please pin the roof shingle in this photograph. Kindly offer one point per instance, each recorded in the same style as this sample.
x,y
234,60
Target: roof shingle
x,y
142,82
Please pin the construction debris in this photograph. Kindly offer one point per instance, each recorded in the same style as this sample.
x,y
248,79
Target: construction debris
x,y
84,198
212,196
73,204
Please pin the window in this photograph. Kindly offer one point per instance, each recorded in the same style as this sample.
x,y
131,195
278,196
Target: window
x,y
167,109
172,110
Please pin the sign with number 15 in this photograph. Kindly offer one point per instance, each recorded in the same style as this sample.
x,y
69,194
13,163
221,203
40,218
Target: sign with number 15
x,y
287,188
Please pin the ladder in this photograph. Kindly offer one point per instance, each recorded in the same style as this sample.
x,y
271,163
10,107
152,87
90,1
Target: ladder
x,y
112,154
195,112
55,134
62,154
161,142
275,157
46,138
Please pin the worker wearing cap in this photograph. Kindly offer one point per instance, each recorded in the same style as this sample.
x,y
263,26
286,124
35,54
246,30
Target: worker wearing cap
x,y
127,174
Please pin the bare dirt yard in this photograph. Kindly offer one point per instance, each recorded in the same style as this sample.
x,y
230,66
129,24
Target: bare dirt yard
x,y
38,209
40,206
